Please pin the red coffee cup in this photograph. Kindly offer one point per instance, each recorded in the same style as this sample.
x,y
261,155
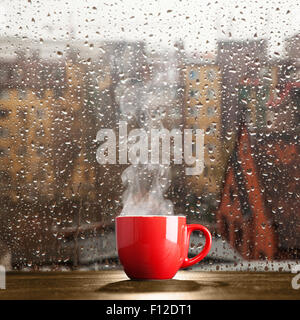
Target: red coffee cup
x,y
156,247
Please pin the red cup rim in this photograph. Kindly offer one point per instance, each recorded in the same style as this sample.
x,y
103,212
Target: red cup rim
x,y
151,216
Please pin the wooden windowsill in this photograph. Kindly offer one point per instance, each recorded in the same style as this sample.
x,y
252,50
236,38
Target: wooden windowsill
x,y
114,285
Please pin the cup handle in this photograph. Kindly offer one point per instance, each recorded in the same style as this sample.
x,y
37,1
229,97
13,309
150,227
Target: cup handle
x,y
193,227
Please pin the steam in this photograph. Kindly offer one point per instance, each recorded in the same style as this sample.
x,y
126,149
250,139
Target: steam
x,y
145,184
144,195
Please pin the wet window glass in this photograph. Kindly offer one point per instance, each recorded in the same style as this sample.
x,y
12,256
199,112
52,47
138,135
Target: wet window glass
x,y
149,108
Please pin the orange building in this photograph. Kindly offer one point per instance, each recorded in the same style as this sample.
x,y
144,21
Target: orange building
x,y
203,111
41,113
259,210
242,218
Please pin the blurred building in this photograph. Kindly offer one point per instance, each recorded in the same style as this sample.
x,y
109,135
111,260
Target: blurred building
x,y
260,93
238,60
127,59
167,75
40,106
292,47
28,91
202,110
43,160
254,93
259,210
54,97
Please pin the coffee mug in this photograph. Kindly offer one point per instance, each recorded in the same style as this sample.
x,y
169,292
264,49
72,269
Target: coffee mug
x,y
156,247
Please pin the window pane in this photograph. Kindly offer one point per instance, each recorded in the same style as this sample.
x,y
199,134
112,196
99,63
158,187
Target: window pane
x,y
84,89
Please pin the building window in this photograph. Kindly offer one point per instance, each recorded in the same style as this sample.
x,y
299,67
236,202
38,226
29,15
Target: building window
x,y
40,150
211,94
40,94
3,152
4,94
176,112
5,177
4,74
193,74
194,94
211,75
262,256
44,75
4,132
211,129
22,94
40,132
20,176
225,227
231,194
59,74
193,111
58,93
4,113
211,148
21,114
245,148
22,150
194,127
18,74
211,111
40,113
238,234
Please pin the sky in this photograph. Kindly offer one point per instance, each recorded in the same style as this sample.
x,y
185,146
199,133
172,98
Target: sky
x,y
198,23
